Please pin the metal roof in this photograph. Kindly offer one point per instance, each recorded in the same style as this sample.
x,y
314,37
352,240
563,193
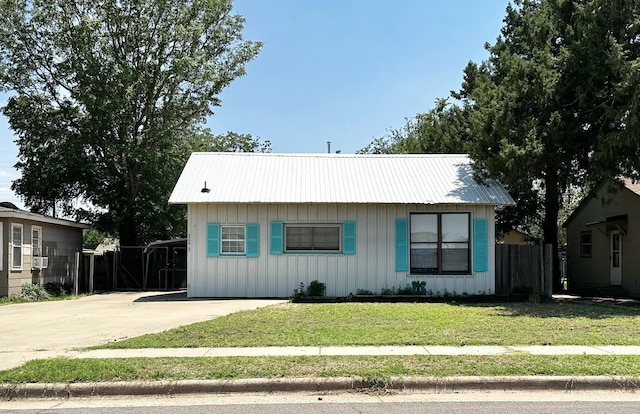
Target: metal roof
x,y
27,215
333,178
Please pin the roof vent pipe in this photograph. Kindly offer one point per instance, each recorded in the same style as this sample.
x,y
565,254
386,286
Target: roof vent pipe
x,y
205,189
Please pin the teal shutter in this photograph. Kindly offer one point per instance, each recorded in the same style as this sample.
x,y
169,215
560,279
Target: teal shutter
x,y
253,240
277,239
349,237
480,245
402,245
213,239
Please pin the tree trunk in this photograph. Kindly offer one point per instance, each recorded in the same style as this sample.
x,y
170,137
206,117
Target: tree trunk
x,y
128,232
550,223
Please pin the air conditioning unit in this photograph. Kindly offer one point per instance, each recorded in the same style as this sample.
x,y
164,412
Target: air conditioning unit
x,y
40,262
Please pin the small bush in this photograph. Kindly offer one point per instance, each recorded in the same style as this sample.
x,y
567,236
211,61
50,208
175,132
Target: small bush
x,y
31,293
407,290
57,289
365,292
316,288
388,291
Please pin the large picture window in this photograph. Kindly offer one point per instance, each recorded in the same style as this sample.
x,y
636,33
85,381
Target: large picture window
x,y
313,238
440,243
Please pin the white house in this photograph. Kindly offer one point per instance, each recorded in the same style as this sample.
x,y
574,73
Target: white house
x,y
261,224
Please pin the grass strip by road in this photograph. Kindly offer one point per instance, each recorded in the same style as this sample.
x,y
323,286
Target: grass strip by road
x,y
344,324
62,370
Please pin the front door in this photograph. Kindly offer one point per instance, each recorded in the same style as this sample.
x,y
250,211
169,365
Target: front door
x,y
616,258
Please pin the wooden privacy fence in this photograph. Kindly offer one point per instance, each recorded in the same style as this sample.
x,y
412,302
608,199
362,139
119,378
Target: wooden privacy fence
x,y
524,269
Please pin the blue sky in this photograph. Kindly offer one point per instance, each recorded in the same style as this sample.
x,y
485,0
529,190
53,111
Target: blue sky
x,y
343,71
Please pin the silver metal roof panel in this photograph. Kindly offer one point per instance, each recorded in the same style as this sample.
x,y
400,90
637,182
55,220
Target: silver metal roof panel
x,y
334,178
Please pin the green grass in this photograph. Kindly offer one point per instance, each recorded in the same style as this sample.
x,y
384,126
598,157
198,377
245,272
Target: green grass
x,y
7,300
149,369
344,324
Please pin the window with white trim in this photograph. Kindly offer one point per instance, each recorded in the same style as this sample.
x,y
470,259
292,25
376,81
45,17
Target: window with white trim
x,y
312,237
440,243
16,246
36,241
232,240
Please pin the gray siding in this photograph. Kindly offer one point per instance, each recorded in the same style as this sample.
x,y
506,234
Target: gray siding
x,y
594,272
372,267
59,244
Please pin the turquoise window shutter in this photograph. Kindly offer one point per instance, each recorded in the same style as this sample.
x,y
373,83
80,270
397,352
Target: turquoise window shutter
x,y
213,239
480,245
253,240
349,237
277,239
402,245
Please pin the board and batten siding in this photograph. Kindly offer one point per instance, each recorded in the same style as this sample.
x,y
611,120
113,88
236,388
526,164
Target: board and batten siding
x,y
372,267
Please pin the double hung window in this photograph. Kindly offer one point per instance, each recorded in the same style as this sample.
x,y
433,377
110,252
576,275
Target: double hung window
x,y
586,244
232,240
36,241
16,246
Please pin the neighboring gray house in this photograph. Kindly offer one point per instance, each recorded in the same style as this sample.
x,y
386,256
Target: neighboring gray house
x,y
261,224
603,239
36,249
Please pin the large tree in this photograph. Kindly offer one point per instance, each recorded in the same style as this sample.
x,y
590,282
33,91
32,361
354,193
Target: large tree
x,y
105,94
553,105
444,129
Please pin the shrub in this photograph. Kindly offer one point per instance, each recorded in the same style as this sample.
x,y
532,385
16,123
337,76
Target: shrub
x,y
31,293
316,288
57,289
407,290
365,292
388,291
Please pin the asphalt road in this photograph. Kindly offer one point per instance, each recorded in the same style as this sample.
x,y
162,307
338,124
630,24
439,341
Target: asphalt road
x,y
481,403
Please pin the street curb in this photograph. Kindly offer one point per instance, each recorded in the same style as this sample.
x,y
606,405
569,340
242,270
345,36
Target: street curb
x,y
345,384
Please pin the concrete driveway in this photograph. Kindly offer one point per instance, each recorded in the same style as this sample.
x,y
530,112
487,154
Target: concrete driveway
x,y
47,329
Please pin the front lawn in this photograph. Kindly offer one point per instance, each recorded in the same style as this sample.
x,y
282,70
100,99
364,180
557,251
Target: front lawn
x,y
344,324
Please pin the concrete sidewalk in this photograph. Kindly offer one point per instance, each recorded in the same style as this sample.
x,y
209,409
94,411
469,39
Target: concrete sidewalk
x,y
358,350
14,359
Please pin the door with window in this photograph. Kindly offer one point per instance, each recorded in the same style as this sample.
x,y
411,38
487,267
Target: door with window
x,y
616,258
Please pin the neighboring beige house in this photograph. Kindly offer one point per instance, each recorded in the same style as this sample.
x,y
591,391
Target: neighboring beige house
x,y
514,236
261,224
603,239
36,249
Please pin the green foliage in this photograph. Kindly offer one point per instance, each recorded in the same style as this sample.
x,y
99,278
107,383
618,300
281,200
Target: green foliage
x,y
31,293
547,108
316,288
365,292
106,96
204,140
444,129
407,290
92,238
57,289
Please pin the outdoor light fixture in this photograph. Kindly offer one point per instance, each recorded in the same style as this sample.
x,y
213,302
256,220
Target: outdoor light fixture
x,y
205,189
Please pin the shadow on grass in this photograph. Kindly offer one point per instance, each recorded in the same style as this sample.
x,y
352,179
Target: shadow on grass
x,y
561,309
